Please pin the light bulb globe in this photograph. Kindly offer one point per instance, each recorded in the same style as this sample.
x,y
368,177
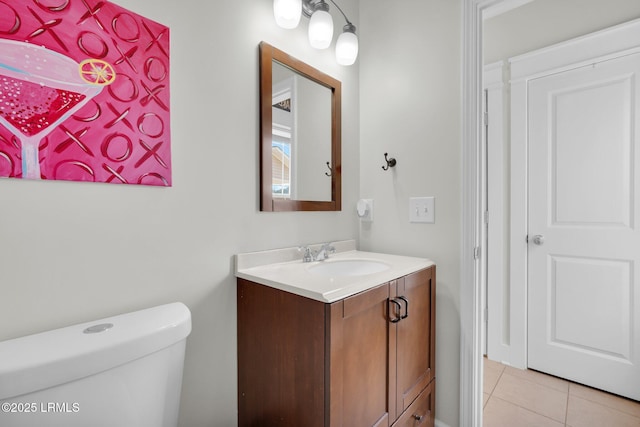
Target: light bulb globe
x,y
347,48
320,29
287,13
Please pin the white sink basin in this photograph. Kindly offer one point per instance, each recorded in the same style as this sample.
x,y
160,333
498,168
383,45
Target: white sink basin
x,y
348,267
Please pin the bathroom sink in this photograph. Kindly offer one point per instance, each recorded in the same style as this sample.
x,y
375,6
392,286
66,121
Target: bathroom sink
x,y
348,267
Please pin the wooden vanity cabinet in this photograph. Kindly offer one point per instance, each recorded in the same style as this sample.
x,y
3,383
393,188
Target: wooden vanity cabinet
x,y
366,360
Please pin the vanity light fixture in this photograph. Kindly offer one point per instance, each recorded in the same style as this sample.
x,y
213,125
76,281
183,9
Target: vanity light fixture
x,y
288,12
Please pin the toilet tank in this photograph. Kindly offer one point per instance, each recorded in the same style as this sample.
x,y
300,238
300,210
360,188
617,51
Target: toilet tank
x,y
124,370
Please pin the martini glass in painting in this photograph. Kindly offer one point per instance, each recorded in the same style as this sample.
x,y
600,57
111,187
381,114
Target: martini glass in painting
x,y
39,89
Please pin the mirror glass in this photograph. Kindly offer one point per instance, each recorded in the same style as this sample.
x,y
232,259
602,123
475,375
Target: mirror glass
x,y
300,135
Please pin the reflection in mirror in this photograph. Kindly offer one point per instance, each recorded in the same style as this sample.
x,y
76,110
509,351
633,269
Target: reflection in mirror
x,y
300,135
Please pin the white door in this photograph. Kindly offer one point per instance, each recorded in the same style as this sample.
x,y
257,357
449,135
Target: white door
x,y
584,187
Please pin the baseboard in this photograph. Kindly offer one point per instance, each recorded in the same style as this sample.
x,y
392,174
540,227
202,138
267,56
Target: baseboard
x,y
439,423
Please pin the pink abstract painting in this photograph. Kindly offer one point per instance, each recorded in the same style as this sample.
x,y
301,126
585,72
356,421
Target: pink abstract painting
x,y
84,93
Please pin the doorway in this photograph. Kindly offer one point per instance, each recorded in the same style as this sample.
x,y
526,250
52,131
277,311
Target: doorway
x,y
470,296
515,312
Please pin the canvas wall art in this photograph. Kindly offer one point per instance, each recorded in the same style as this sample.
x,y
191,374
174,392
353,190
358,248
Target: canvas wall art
x,y
84,93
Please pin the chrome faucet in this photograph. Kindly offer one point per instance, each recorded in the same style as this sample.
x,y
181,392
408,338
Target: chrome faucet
x,y
319,255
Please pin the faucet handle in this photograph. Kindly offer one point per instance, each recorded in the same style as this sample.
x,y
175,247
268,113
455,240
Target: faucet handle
x,y
324,251
329,247
306,256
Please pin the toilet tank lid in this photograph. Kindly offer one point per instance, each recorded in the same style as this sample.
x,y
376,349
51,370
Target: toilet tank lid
x,y
46,359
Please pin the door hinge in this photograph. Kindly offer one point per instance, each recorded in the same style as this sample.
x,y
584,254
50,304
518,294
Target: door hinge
x,y
476,252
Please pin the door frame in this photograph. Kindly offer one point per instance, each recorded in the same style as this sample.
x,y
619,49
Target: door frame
x,y
497,343
471,301
470,289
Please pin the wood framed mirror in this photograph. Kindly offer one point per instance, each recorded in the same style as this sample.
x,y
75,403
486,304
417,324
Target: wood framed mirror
x,y
300,135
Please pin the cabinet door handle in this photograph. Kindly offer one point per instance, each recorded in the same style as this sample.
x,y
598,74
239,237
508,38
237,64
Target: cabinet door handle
x,y
406,307
418,417
397,304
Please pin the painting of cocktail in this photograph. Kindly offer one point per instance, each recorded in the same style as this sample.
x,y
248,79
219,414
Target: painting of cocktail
x,y
84,93
39,89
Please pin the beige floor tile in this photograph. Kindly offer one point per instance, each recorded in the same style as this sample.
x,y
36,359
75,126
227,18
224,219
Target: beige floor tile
x,y
538,398
621,404
500,413
539,378
491,377
492,364
586,413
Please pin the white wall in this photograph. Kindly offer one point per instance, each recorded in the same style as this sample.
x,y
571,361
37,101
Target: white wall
x,y
545,22
410,107
74,252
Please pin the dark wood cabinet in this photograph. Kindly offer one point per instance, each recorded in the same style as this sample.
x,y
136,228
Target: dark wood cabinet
x,y
416,347
366,360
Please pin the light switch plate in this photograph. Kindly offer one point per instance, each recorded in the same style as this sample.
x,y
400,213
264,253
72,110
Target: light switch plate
x,y
422,209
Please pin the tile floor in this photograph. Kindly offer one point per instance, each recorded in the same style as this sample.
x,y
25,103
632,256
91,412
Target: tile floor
x,y
517,398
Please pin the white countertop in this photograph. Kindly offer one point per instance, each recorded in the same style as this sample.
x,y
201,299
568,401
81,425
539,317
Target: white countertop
x,y
283,269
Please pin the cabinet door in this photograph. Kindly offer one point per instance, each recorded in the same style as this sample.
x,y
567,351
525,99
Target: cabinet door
x,y
281,358
415,336
361,362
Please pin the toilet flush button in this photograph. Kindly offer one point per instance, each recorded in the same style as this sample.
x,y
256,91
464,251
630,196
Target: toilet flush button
x,y
98,328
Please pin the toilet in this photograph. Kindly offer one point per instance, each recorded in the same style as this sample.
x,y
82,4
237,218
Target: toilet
x,y
124,370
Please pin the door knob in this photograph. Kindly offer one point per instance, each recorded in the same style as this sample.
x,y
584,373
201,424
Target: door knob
x,y
538,239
